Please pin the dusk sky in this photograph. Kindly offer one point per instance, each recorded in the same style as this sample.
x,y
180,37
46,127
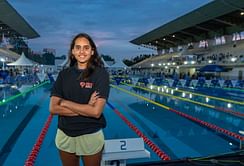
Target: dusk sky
x,y
111,23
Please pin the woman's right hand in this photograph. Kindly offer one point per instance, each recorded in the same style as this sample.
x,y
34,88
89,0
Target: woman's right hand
x,y
93,98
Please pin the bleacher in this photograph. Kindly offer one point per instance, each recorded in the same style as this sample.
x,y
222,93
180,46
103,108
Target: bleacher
x,y
8,55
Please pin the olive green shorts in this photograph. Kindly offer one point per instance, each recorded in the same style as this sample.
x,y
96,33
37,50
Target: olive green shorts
x,y
87,144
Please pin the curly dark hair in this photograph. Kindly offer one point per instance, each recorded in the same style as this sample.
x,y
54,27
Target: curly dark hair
x,y
94,61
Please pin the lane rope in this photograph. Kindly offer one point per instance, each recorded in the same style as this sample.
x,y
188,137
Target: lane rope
x,y
194,119
153,146
229,111
30,161
202,95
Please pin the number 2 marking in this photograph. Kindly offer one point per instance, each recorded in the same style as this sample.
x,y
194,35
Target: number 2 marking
x,y
123,145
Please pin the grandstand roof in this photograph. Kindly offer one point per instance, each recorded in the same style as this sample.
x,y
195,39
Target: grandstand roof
x,y
215,18
13,24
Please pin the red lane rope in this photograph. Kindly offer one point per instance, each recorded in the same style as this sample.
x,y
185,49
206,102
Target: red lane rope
x,y
194,119
209,125
230,111
153,146
36,148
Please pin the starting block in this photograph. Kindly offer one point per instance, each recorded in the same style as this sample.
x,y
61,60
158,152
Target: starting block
x,y
241,143
117,151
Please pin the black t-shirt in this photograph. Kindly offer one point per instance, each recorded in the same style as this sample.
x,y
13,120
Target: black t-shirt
x,y
68,87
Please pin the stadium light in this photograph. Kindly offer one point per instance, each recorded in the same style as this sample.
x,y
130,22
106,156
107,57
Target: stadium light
x,y
3,61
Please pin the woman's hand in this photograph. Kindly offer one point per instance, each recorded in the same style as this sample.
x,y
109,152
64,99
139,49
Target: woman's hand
x,y
93,108
93,98
57,107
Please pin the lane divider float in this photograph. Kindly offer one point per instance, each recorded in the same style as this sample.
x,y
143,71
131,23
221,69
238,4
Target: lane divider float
x,y
153,146
229,111
30,161
194,119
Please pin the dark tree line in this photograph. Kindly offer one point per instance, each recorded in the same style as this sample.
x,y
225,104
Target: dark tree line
x,y
107,57
137,59
19,46
45,59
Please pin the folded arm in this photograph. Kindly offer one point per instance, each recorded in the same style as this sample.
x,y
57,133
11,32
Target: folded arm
x,y
55,107
90,110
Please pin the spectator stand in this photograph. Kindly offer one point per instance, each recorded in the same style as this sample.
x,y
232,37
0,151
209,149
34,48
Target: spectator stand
x,y
227,84
201,83
183,82
215,83
239,84
158,81
176,83
142,82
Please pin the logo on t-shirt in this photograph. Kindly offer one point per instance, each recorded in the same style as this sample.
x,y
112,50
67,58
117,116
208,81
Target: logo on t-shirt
x,y
87,85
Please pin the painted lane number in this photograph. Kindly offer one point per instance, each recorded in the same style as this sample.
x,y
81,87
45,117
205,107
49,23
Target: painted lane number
x,y
123,145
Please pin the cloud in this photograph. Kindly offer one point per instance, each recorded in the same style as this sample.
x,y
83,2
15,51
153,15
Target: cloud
x,y
111,23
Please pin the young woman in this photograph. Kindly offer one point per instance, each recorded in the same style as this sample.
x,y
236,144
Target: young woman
x,y
78,98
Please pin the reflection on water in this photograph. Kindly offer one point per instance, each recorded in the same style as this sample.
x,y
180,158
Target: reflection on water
x,y
10,107
7,91
210,115
16,110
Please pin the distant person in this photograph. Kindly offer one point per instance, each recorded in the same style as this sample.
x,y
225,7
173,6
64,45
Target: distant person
x,y
78,97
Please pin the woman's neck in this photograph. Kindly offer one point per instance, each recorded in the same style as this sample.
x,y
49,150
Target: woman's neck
x,y
81,66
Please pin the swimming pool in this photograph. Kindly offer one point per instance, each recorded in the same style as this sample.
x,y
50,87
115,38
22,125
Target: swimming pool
x,y
179,128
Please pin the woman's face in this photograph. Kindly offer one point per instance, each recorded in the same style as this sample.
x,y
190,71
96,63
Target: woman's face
x,y
82,51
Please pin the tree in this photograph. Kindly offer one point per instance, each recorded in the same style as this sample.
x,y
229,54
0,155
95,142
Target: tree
x,y
107,57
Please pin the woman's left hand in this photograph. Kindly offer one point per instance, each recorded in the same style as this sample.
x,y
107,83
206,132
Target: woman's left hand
x,y
93,98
